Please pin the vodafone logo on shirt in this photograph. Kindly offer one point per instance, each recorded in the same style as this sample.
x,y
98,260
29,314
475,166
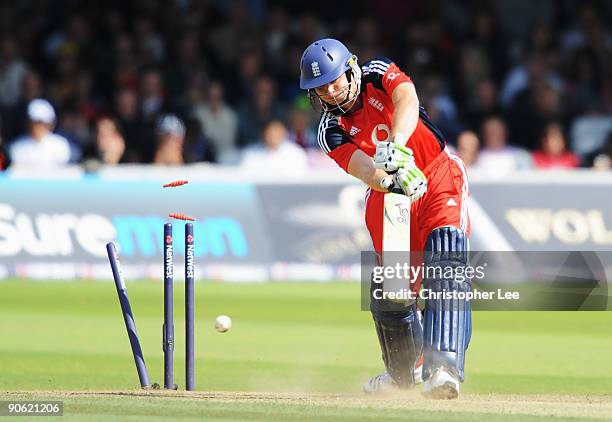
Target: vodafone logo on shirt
x,y
381,133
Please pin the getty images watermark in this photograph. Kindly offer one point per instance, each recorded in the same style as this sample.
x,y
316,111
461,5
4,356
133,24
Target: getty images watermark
x,y
404,274
490,280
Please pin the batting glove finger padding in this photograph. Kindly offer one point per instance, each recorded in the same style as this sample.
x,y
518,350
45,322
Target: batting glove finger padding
x,y
412,181
391,156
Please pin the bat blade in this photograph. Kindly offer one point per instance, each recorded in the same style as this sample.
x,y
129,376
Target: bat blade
x,y
396,238
396,223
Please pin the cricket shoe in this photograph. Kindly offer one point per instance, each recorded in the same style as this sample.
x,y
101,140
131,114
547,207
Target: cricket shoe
x,y
380,384
441,385
383,383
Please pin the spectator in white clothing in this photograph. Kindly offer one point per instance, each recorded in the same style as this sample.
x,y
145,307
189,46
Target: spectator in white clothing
x,y
498,158
277,154
40,147
219,123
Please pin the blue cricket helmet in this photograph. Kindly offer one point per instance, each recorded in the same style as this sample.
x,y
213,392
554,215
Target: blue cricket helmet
x,y
323,61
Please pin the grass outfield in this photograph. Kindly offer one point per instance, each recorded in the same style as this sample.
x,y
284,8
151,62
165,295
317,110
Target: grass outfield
x,y
296,351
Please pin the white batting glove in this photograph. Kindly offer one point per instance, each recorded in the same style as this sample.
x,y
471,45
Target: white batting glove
x,y
391,156
390,184
412,181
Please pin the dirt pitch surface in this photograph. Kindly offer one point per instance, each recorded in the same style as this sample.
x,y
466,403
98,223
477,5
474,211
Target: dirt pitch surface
x,y
341,406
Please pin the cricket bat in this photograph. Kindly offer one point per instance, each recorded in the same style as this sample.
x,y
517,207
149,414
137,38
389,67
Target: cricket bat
x,y
396,238
396,224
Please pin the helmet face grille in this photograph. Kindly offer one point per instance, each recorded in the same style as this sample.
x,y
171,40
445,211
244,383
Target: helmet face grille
x,y
338,108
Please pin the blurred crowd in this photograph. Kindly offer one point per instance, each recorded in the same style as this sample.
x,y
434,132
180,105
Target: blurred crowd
x,y
513,84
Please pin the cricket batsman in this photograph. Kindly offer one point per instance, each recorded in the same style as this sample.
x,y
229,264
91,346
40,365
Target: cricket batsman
x,y
374,128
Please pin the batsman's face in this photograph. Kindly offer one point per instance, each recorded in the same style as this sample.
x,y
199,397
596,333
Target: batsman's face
x,y
336,92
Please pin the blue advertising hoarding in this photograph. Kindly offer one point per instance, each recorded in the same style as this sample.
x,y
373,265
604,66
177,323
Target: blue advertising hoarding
x,y
262,231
